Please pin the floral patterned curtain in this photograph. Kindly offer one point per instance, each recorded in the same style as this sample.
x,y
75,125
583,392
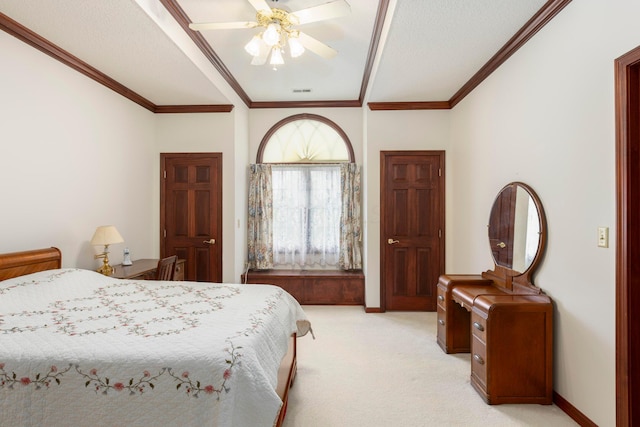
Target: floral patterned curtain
x,y
260,220
350,218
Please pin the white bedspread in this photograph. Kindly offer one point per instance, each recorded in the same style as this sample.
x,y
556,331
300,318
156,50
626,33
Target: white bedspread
x,y
81,349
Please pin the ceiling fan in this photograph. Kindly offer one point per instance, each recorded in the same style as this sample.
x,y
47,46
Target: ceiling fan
x,y
279,31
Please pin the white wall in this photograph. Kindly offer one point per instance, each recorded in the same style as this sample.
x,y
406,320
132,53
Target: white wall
x,y
546,117
242,160
388,131
214,133
73,155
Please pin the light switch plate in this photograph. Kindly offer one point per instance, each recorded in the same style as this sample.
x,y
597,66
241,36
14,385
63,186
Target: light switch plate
x,y
603,237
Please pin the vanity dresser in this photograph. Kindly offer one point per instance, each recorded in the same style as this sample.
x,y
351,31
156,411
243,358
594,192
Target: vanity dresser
x,y
499,316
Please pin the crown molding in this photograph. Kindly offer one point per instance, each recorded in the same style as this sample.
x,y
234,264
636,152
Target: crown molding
x,y
430,105
306,104
214,108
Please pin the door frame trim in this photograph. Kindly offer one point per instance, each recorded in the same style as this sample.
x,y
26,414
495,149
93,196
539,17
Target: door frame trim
x,y
627,109
383,156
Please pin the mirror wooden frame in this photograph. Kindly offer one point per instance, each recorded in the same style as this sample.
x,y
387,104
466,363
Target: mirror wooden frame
x,y
516,281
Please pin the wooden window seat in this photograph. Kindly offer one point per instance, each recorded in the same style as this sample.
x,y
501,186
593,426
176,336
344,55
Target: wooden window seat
x,y
335,287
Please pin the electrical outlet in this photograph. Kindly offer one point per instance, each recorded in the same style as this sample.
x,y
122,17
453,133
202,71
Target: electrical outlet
x,y
603,237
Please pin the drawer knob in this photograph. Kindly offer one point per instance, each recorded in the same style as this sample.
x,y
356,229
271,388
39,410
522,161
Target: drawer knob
x,y
441,322
478,359
440,297
478,326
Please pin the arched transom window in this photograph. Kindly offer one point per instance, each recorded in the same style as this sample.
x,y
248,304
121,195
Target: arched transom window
x,y
305,138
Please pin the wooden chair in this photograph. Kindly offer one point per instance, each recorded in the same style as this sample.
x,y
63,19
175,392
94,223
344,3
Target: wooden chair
x,y
166,268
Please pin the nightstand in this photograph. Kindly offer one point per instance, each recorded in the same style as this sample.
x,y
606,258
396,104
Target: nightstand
x,y
145,269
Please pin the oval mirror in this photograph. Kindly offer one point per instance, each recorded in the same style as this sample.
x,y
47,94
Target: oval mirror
x,y
516,228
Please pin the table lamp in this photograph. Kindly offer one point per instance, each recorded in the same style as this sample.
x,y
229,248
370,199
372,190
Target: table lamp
x,y
105,235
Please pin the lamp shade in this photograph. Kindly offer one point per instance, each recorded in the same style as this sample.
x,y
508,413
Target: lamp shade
x,y
271,36
276,57
253,47
295,47
106,235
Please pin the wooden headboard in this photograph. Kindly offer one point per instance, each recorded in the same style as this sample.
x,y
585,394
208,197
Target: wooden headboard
x,y
20,263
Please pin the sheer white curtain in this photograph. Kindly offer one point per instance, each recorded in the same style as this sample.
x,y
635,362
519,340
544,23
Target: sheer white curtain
x,y
306,215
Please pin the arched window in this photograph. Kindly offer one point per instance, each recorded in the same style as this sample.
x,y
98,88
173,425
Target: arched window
x,y
309,157
305,138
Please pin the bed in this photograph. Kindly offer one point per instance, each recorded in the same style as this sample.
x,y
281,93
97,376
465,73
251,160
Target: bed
x,y
79,348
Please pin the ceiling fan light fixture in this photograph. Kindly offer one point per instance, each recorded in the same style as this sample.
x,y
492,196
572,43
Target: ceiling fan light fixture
x,y
295,47
276,57
253,47
276,30
271,36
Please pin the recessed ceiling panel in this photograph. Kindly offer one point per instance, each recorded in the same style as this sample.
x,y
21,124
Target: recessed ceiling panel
x,y
308,77
435,46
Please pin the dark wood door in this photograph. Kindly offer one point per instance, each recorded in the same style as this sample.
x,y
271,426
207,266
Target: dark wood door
x,y
191,213
411,224
501,222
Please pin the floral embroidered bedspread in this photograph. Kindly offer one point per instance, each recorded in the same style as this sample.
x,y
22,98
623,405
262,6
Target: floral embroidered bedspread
x,y
81,349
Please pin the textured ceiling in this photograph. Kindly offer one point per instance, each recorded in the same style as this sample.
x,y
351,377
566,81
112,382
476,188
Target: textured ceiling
x,y
434,47
428,49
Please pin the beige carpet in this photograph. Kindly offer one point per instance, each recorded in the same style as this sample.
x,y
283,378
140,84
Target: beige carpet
x,y
387,370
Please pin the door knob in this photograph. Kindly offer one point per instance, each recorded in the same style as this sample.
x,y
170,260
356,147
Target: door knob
x,y
210,242
501,245
392,242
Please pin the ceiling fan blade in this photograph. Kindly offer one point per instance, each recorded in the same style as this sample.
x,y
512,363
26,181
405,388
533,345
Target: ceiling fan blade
x,y
334,9
222,25
316,46
260,5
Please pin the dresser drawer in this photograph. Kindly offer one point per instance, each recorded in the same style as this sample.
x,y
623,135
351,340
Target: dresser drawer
x,y
479,326
442,325
479,361
148,275
441,298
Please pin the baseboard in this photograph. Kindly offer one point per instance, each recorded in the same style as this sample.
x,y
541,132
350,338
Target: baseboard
x,y
372,309
572,411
